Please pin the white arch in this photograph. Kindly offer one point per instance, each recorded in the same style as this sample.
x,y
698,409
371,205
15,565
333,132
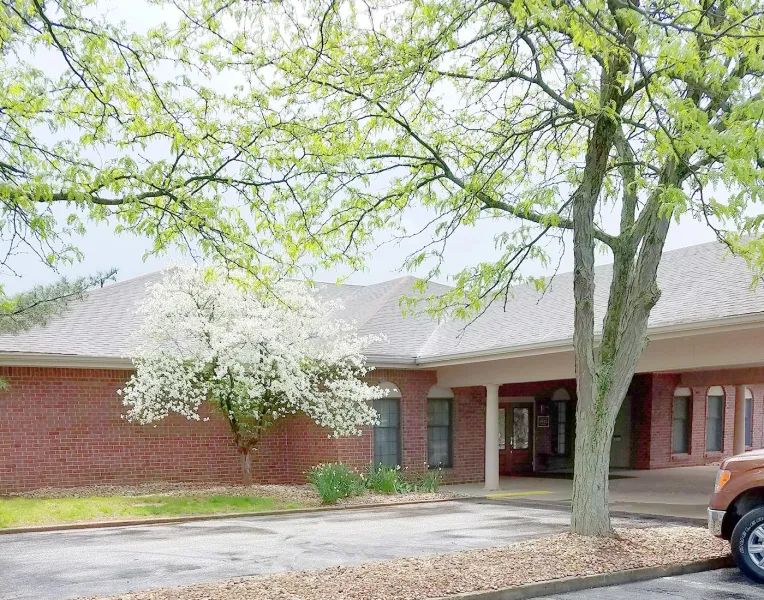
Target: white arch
x,y
436,393
392,389
716,390
748,394
561,394
682,391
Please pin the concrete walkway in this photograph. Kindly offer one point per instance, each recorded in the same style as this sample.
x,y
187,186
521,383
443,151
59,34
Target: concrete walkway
x,y
94,562
678,492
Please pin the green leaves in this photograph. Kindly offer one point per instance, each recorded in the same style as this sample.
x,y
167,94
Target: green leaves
x,y
280,137
41,303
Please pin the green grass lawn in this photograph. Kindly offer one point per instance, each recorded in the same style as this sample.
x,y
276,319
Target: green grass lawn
x,y
19,512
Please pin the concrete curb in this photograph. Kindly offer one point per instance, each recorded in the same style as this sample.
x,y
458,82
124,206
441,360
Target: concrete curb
x,y
678,520
564,506
214,517
575,584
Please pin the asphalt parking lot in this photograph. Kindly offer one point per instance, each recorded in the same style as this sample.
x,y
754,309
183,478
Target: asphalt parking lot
x,y
91,562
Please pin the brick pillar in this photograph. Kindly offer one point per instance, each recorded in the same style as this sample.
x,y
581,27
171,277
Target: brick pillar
x,y
738,444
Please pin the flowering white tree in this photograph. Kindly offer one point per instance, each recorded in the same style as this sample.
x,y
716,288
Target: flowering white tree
x,y
257,359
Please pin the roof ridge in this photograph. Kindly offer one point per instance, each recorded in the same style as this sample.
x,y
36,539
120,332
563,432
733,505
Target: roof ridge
x,y
384,298
444,321
124,281
608,265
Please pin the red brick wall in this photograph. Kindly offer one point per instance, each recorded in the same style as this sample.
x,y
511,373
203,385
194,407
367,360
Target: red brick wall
x,y
469,436
307,445
63,428
641,415
662,392
414,386
757,438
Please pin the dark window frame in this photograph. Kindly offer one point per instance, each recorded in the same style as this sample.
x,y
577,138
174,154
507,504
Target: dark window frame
x,y
687,425
450,434
555,406
719,420
399,432
749,420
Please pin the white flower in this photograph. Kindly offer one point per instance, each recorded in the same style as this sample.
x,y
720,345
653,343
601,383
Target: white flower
x,y
256,358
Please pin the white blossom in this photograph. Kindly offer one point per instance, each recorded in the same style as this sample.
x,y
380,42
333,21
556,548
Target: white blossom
x,y
256,358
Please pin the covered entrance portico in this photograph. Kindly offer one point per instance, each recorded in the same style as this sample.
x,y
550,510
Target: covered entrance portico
x,y
530,428
681,492
697,397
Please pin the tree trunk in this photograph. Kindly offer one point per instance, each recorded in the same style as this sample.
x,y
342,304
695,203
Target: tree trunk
x,y
594,426
602,383
246,464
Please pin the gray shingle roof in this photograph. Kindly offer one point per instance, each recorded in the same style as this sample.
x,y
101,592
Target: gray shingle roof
x,y
101,324
699,284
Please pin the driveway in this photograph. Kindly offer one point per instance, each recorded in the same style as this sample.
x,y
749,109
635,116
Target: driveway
x,y
725,584
67,564
677,492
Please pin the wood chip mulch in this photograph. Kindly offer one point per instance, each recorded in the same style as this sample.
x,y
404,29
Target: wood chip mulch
x,y
304,494
435,576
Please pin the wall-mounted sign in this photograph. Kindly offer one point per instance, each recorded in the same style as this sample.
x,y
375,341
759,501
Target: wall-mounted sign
x,y
542,421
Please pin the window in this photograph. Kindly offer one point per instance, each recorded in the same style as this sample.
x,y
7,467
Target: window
x,y
502,429
715,419
748,418
521,425
559,418
440,425
387,435
680,429
439,432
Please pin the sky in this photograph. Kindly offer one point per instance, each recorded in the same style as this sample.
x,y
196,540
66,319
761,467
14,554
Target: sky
x,y
103,249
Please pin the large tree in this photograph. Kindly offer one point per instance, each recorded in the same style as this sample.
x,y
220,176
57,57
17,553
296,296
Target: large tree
x,y
545,114
254,358
330,120
104,123
95,129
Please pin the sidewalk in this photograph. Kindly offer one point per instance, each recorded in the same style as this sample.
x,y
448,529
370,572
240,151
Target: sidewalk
x,y
678,492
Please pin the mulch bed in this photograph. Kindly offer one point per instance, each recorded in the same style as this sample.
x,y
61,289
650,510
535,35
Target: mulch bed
x,y
434,576
304,494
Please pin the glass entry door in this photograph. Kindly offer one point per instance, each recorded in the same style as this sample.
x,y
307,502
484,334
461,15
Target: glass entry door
x,y
516,454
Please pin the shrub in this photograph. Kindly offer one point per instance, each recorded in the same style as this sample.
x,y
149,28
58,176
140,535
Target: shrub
x,y
334,481
393,480
429,481
387,480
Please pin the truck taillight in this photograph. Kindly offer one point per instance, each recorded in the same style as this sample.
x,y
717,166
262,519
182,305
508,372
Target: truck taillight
x,y
722,477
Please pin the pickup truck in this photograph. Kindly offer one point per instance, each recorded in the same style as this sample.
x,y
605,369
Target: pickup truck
x,y
736,510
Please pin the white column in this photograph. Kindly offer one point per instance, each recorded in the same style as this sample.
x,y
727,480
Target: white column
x,y
738,445
492,437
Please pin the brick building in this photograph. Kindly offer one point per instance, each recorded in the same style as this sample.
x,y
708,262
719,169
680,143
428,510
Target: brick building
x,y
698,394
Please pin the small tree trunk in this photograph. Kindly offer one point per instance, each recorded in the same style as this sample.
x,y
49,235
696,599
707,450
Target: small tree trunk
x,y
591,515
246,465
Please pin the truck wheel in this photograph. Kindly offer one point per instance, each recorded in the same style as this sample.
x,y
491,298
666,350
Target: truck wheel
x,y
747,543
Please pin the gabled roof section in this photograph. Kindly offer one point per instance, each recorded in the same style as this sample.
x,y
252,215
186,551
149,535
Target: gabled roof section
x,y
700,284
99,325
405,336
103,323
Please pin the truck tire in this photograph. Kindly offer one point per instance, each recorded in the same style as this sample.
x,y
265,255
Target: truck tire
x,y
747,544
